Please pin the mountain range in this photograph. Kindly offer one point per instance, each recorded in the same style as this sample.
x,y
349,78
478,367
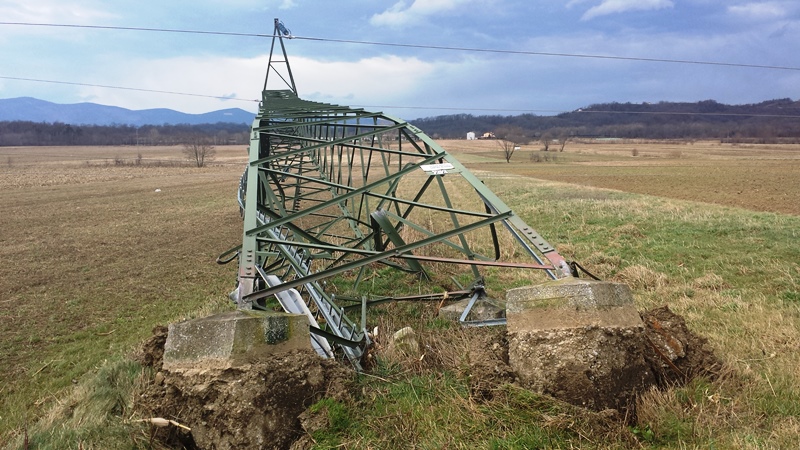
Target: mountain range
x,y
35,110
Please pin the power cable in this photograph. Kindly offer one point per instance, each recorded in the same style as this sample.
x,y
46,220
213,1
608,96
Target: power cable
x,y
445,108
158,91
419,46
566,55
167,30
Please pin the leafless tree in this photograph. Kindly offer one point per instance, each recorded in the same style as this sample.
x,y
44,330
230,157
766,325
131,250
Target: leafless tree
x,y
199,151
546,139
509,138
563,137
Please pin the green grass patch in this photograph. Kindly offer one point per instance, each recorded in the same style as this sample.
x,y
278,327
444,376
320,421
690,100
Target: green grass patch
x,y
435,411
94,414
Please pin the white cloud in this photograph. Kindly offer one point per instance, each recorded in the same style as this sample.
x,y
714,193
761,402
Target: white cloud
x,y
759,11
572,3
239,78
401,14
370,80
619,6
51,11
287,4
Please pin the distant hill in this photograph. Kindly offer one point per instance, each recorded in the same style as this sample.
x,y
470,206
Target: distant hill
x,y
769,121
29,121
35,110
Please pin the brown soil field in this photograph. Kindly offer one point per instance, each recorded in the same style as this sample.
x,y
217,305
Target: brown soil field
x,y
755,177
97,252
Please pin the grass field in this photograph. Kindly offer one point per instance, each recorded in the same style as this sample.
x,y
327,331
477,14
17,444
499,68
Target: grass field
x,y
95,257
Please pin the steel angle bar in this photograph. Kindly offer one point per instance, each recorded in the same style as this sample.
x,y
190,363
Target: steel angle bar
x,y
310,179
299,267
446,242
429,206
359,191
377,257
408,256
270,67
440,296
318,145
381,222
310,119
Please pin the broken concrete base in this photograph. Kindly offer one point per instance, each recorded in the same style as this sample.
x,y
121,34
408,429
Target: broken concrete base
x,y
404,343
233,339
483,309
578,340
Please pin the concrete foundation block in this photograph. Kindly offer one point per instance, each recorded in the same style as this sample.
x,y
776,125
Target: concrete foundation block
x,y
233,338
571,303
581,341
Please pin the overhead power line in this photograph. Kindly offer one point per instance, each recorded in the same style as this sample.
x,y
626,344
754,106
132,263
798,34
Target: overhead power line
x,y
439,108
125,88
435,47
421,46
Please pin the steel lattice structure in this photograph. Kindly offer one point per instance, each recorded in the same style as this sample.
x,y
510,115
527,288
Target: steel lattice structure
x,y
330,190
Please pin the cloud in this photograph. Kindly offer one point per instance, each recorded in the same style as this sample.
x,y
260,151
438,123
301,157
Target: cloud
x,y
238,80
287,4
400,14
365,80
572,3
51,11
619,6
759,11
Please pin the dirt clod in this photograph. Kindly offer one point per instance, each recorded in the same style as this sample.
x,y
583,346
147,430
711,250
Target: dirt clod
x,y
608,367
256,406
151,353
675,353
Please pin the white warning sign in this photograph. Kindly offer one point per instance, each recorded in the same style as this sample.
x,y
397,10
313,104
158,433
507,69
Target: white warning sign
x,y
437,169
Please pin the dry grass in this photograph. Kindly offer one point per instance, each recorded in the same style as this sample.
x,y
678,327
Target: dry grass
x,y
641,278
756,177
99,258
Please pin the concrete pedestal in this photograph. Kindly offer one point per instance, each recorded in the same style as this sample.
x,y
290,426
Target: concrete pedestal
x,y
578,340
233,338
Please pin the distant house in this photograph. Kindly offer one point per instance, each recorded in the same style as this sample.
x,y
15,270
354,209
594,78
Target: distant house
x,y
488,135
471,136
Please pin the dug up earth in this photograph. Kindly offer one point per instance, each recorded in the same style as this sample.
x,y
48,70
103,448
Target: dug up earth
x,y
267,404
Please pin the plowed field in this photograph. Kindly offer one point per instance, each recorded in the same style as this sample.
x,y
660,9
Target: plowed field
x,y
755,177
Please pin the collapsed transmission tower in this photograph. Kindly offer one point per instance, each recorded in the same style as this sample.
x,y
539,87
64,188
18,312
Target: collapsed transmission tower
x,y
333,191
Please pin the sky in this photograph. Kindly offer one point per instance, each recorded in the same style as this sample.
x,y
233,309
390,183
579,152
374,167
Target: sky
x,y
405,82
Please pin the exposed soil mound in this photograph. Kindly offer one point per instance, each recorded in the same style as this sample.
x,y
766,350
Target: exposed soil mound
x,y
488,365
265,405
598,368
663,354
256,406
151,353
676,354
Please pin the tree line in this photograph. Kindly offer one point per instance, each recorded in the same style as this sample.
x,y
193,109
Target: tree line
x,y
769,121
25,133
766,122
